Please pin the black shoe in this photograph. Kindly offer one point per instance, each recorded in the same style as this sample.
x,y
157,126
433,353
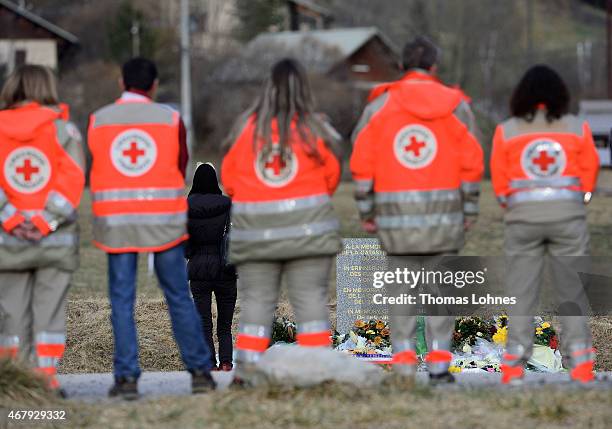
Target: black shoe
x,y
60,393
126,388
201,382
444,378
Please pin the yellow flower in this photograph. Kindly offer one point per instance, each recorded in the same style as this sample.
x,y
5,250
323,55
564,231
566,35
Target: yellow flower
x,y
454,369
545,325
359,324
380,325
539,331
370,332
378,341
501,335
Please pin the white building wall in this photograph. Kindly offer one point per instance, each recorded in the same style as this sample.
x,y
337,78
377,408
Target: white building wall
x,y
38,51
220,23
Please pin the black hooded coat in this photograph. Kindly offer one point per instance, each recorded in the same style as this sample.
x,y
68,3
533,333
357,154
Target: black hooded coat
x,y
209,217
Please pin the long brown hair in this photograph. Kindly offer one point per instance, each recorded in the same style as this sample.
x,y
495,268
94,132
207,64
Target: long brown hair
x,y
30,83
287,99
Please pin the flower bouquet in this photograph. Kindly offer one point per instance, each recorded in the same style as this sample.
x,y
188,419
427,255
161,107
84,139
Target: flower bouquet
x,y
479,344
367,340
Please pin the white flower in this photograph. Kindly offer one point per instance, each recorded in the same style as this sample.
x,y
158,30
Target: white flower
x,y
479,334
361,346
467,348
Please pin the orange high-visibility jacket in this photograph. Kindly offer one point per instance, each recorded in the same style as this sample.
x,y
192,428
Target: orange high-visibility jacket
x,y
540,161
417,166
380,89
281,206
136,184
41,180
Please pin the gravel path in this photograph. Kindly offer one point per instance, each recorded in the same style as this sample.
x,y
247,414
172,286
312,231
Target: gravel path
x,y
94,387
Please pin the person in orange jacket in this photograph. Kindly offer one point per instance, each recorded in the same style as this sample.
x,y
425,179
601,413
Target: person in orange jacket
x,y
417,167
544,168
280,172
41,183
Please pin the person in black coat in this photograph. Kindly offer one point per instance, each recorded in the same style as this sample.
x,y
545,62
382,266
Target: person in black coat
x,y
209,221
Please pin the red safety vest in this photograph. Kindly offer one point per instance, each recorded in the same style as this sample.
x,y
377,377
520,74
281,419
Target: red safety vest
x,y
137,187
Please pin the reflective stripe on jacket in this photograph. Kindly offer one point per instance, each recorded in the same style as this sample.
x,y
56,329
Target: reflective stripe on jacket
x,y
281,206
417,166
41,180
541,170
136,184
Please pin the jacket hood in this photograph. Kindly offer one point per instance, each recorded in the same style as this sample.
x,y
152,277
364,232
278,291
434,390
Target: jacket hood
x,y
205,180
24,123
205,206
427,99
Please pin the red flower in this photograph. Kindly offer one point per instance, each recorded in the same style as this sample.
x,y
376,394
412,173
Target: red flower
x,y
554,342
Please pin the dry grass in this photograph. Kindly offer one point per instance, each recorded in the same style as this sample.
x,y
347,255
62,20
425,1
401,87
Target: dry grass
x,y
602,341
90,341
20,386
393,405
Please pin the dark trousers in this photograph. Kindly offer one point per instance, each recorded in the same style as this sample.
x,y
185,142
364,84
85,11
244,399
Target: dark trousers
x,y
225,296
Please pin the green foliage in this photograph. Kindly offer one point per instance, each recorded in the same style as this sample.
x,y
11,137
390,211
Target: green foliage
x,y
257,16
283,330
120,37
468,329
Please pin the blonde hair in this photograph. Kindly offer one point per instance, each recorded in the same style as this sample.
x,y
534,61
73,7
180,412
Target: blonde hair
x,y
30,83
287,99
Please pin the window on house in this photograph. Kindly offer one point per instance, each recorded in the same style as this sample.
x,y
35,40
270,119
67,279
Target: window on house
x,y
360,68
20,57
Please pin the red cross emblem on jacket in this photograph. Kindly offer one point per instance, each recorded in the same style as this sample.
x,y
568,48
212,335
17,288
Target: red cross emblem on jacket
x,y
543,158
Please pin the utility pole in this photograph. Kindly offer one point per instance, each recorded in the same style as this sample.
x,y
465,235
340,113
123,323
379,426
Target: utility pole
x,y
529,32
186,74
135,30
609,46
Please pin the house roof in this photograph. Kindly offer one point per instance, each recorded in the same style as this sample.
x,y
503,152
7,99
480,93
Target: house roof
x,y
346,40
41,22
313,6
318,50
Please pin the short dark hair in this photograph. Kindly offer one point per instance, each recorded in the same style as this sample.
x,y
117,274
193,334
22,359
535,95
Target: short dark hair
x,y
420,53
139,73
540,85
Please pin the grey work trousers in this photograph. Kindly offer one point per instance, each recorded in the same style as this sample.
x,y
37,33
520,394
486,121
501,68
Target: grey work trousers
x,y
259,287
526,246
33,304
403,318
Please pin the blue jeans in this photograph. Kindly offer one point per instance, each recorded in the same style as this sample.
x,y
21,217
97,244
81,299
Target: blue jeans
x,y
186,324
